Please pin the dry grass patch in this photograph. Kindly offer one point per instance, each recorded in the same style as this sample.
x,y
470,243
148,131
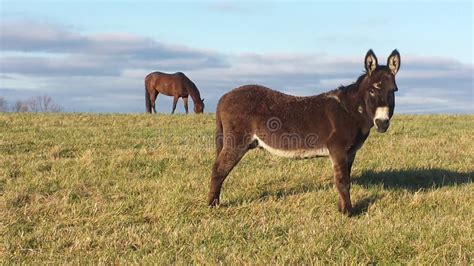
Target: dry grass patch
x,y
79,188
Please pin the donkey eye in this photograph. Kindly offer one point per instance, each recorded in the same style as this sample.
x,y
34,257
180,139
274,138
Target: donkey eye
x,y
372,92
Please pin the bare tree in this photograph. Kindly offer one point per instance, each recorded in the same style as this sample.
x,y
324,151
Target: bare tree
x,y
32,104
3,105
20,106
42,104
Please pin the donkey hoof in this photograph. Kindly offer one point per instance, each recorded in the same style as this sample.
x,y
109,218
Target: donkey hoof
x,y
213,202
347,210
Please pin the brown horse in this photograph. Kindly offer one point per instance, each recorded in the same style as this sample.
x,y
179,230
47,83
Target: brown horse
x,y
176,85
333,124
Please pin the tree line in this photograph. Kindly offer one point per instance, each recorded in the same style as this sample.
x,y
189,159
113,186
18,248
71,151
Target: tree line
x,y
36,104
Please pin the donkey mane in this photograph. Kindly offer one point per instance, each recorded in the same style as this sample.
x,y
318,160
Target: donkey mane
x,y
351,88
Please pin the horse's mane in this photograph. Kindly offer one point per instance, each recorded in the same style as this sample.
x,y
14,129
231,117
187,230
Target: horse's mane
x,y
192,90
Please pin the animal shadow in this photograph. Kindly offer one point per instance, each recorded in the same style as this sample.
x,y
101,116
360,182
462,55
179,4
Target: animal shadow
x,y
410,179
362,205
414,179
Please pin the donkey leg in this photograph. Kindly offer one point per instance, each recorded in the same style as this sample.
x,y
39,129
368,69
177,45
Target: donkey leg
x,y
225,162
175,101
342,180
350,161
185,101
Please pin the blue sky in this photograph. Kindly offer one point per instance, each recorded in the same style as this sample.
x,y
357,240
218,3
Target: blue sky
x,y
93,55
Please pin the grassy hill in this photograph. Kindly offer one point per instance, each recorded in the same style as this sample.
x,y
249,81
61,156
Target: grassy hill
x,y
132,188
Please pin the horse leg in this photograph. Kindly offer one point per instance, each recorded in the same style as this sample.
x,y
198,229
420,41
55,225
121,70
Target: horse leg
x,y
229,156
342,180
185,101
153,97
175,101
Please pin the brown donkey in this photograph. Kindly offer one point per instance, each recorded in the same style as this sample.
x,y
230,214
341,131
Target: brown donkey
x,y
333,124
176,85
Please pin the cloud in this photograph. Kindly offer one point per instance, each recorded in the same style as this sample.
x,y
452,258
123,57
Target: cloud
x,y
104,72
36,36
66,52
63,66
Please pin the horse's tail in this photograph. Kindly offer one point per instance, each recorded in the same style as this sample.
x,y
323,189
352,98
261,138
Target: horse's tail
x,y
219,134
147,98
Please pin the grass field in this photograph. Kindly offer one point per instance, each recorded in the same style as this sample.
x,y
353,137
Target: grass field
x,y
81,188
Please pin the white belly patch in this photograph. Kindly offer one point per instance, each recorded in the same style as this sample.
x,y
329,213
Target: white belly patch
x,y
300,153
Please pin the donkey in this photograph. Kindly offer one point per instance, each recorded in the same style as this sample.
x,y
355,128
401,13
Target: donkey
x,y
334,124
176,85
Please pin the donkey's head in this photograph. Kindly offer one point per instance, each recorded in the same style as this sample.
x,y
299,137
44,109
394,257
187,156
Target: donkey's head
x,y
379,88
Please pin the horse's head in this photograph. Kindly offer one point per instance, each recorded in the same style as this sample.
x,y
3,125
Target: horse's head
x,y
199,107
379,88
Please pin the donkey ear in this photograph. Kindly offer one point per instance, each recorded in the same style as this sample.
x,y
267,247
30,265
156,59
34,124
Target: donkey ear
x,y
393,61
370,62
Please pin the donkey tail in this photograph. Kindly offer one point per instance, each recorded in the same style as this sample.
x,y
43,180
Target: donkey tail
x,y
219,134
147,99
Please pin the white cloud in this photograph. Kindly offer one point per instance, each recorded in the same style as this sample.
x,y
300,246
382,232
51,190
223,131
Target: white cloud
x,y
72,53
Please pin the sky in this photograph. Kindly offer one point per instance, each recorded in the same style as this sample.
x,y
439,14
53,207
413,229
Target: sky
x,y
92,56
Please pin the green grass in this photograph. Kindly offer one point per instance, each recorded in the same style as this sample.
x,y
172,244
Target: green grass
x,y
78,188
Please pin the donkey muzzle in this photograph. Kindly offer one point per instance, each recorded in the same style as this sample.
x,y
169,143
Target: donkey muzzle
x,y
382,118
382,125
